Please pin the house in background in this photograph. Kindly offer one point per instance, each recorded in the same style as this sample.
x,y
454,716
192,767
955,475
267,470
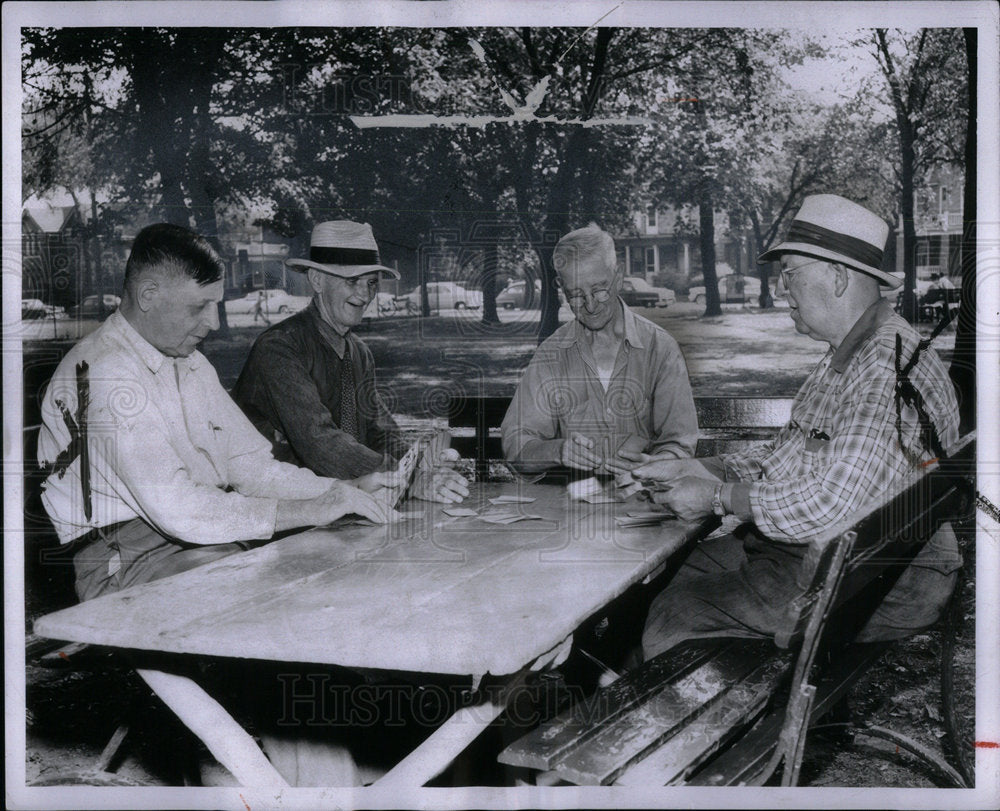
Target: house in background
x,y
663,247
53,261
938,216
258,263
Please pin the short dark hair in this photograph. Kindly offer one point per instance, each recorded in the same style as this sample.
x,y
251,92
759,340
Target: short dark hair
x,y
175,250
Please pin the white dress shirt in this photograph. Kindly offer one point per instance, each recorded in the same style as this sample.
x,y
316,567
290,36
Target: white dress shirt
x,y
167,444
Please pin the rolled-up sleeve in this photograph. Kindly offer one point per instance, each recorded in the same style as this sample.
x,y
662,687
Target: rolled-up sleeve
x,y
529,417
675,421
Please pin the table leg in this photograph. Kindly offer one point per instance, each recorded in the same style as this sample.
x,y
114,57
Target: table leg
x,y
446,743
228,742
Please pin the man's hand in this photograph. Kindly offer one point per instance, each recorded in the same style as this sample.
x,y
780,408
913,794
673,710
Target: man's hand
x,y
440,484
374,482
667,470
578,451
629,454
343,499
340,499
690,497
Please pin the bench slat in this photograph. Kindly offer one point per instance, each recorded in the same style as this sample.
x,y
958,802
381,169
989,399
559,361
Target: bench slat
x,y
747,757
726,424
542,747
602,757
697,742
743,412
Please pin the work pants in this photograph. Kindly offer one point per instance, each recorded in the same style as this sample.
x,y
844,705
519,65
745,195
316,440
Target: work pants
x,y
741,587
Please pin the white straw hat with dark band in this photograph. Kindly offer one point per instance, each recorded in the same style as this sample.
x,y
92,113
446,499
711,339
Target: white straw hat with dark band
x,y
343,248
831,227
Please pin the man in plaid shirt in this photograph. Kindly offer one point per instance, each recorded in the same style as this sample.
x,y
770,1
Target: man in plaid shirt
x,y
847,444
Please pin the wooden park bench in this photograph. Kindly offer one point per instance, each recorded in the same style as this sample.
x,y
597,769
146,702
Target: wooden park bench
x,y
725,423
731,711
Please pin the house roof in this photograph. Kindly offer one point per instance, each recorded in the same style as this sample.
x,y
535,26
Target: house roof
x,y
48,219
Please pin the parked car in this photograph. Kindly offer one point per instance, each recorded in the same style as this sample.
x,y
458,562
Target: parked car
x,y
33,308
512,296
736,288
635,296
90,307
275,301
444,296
665,296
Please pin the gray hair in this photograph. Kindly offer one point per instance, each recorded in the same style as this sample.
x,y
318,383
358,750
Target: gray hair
x,y
585,242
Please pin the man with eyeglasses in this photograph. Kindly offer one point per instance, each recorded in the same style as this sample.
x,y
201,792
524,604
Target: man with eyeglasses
x,y
309,383
605,390
853,435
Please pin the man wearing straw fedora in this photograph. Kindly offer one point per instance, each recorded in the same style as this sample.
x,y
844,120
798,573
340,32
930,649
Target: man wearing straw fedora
x,y
309,383
849,440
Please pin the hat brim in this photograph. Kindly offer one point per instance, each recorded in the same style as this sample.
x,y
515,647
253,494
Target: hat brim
x,y
805,248
345,271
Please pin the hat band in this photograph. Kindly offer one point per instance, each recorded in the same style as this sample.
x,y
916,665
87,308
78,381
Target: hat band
x,y
851,247
343,256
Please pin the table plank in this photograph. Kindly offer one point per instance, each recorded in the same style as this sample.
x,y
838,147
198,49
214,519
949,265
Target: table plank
x,y
434,595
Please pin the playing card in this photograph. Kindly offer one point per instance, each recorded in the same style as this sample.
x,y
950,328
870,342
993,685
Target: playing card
x,y
599,498
459,512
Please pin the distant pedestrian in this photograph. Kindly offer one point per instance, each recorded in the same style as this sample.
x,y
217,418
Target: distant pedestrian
x,y
258,309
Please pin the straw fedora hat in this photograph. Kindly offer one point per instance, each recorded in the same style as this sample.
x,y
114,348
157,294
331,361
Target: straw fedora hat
x,y
343,248
831,227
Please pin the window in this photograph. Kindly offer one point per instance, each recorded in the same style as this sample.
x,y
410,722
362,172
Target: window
x,y
651,216
929,251
650,260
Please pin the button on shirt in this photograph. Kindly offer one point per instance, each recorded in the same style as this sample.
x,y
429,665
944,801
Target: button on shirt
x,y
841,448
167,444
648,395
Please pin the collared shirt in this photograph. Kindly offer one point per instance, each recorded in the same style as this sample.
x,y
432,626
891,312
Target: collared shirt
x,y
166,443
291,389
840,448
648,396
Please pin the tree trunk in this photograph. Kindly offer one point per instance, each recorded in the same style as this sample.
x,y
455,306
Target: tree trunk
x,y
906,139
206,47
557,225
88,267
765,300
706,236
490,285
423,270
963,363
571,167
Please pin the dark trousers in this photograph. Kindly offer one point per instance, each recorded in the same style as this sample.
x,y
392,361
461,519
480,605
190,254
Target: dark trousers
x,y
740,587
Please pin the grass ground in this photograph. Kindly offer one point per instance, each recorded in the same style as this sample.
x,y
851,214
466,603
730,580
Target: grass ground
x,y
421,363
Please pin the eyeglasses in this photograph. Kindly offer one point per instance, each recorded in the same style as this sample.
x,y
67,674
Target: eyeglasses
x,y
576,297
788,273
354,282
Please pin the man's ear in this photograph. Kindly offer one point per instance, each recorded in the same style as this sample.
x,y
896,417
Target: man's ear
x,y
315,279
146,291
840,279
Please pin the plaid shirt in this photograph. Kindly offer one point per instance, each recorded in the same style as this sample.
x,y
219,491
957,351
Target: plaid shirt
x,y
841,448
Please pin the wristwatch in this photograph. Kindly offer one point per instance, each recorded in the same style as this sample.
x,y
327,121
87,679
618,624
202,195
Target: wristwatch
x,y
717,506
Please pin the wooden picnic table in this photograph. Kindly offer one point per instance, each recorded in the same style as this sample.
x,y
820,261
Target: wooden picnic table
x,y
433,594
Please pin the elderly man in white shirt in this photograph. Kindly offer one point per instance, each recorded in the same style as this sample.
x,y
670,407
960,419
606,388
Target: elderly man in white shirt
x,y
157,470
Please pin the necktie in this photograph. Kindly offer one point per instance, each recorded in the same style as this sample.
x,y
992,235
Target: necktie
x,y
348,397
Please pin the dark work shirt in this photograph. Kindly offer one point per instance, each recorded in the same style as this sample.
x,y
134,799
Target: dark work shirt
x,y
291,390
